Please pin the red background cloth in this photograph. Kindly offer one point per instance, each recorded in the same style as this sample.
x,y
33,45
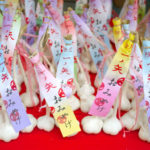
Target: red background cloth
x,y
40,140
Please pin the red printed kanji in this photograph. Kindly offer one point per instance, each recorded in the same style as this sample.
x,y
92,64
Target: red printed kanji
x,y
92,20
147,105
95,11
140,66
117,68
120,81
4,77
100,101
100,52
52,31
62,119
105,27
70,82
148,78
14,116
48,86
50,43
65,70
13,85
10,35
61,93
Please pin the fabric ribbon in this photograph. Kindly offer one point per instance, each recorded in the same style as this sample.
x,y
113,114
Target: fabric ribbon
x,y
113,79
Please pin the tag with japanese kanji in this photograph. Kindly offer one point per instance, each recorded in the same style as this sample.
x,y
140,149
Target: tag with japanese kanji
x,y
54,40
15,109
12,38
91,43
113,80
30,19
65,69
136,69
97,16
146,76
66,120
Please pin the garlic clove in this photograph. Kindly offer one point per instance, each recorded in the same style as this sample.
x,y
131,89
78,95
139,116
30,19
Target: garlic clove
x,y
7,133
112,126
45,123
92,124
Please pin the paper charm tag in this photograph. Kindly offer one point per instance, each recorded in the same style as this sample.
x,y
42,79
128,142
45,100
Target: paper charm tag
x,y
132,15
97,20
113,80
65,69
54,40
96,54
91,43
51,90
136,69
15,109
141,10
6,26
66,120
11,41
30,19
146,76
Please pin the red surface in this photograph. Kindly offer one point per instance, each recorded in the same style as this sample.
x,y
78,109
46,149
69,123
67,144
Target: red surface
x,y
40,140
